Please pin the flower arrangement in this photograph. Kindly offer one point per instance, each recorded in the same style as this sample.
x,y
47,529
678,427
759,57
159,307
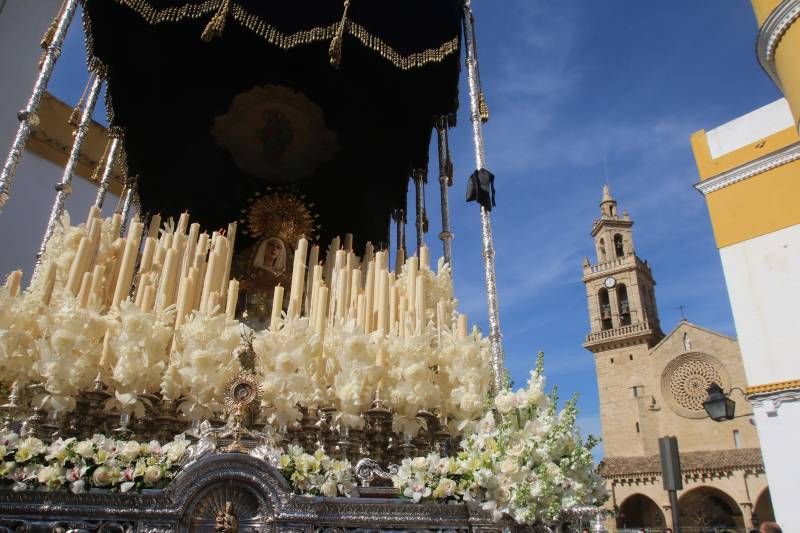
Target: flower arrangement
x,y
80,465
528,462
317,474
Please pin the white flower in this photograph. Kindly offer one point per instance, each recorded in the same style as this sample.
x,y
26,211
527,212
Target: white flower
x,y
152,475
84,448
77,487
504,402
28,448
329,488
52,476
102,476
130,450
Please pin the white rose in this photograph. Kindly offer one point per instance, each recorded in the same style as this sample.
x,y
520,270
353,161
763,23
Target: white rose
x,y
101,477
152,475
446,487
84,448
130,451
420,463
504,402
509,466
415,372
52,476
329,488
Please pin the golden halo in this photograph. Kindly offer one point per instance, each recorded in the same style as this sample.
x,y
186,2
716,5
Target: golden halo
x,y
282,215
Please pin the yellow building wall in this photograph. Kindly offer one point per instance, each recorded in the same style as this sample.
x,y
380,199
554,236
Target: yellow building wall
x,y
757,205
787,55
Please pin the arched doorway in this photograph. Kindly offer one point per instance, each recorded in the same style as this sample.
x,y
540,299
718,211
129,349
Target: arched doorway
x,y
639,511
706,508
763,512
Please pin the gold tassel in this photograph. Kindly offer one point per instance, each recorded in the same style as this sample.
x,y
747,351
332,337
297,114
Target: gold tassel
x,y
335,49
217,23
483,108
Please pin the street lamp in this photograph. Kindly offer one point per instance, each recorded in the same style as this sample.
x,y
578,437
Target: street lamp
x,y
718,405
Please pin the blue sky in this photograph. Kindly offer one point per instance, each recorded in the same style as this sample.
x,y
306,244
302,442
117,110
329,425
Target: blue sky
x,y
569,84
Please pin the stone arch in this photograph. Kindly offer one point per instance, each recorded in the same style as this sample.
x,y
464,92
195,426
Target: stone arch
x,y
639,511
763,511
709,507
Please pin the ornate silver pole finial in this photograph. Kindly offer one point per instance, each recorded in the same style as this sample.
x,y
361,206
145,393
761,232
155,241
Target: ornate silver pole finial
x,y
399,216
420,176
495,337
28,117
445,181
108,168
64,187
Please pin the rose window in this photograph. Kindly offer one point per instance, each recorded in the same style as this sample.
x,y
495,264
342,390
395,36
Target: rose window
x,y
685,382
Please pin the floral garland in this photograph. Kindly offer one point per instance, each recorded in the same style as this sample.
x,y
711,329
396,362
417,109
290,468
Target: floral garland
x,y
529,462
317,474
99,462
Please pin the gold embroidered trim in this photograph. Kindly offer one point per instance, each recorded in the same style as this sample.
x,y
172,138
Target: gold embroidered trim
x,y
773,387
274,36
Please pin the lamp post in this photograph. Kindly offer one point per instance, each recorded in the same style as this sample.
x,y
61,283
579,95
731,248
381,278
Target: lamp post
x,y
718,404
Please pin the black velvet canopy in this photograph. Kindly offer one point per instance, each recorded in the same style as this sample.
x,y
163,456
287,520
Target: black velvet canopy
x,y
208,124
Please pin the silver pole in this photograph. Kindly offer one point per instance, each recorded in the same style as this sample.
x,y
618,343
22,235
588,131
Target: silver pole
x,y
28,118
418,175
400,221
445,180
127,201
495,337
105,179
64,187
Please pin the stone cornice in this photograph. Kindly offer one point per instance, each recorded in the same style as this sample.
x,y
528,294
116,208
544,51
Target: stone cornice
x,y
768,162
771,32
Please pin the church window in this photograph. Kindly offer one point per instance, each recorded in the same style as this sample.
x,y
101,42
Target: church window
x,y
601,250
638,391
612,360
637,427
630,356
619,248
624,307
737,438
605,309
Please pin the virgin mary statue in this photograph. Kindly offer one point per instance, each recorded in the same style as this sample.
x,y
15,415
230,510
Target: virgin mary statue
x,y
277,221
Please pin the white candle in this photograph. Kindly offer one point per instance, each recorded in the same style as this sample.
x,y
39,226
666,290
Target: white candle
x,y
85,290
49,283
117,249
166,285
98,278
392,306
321,311
341,303
76,268
348,242
226,274
360,312
211,274
149,298
277,306
94,212
191,246
462,326
128,263
185,293
232,299
147,255
440,319
155,223
13,282
383,302
419,311
183,223
369,296
355,289
402,315
411,281
313,257
95,231
424,258
298,277
116,224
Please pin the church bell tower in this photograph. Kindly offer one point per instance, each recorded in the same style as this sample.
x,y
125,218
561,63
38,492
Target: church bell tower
x,y
619,286
624,326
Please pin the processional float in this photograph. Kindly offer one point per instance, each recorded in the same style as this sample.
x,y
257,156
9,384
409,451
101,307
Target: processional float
x,y
303,376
